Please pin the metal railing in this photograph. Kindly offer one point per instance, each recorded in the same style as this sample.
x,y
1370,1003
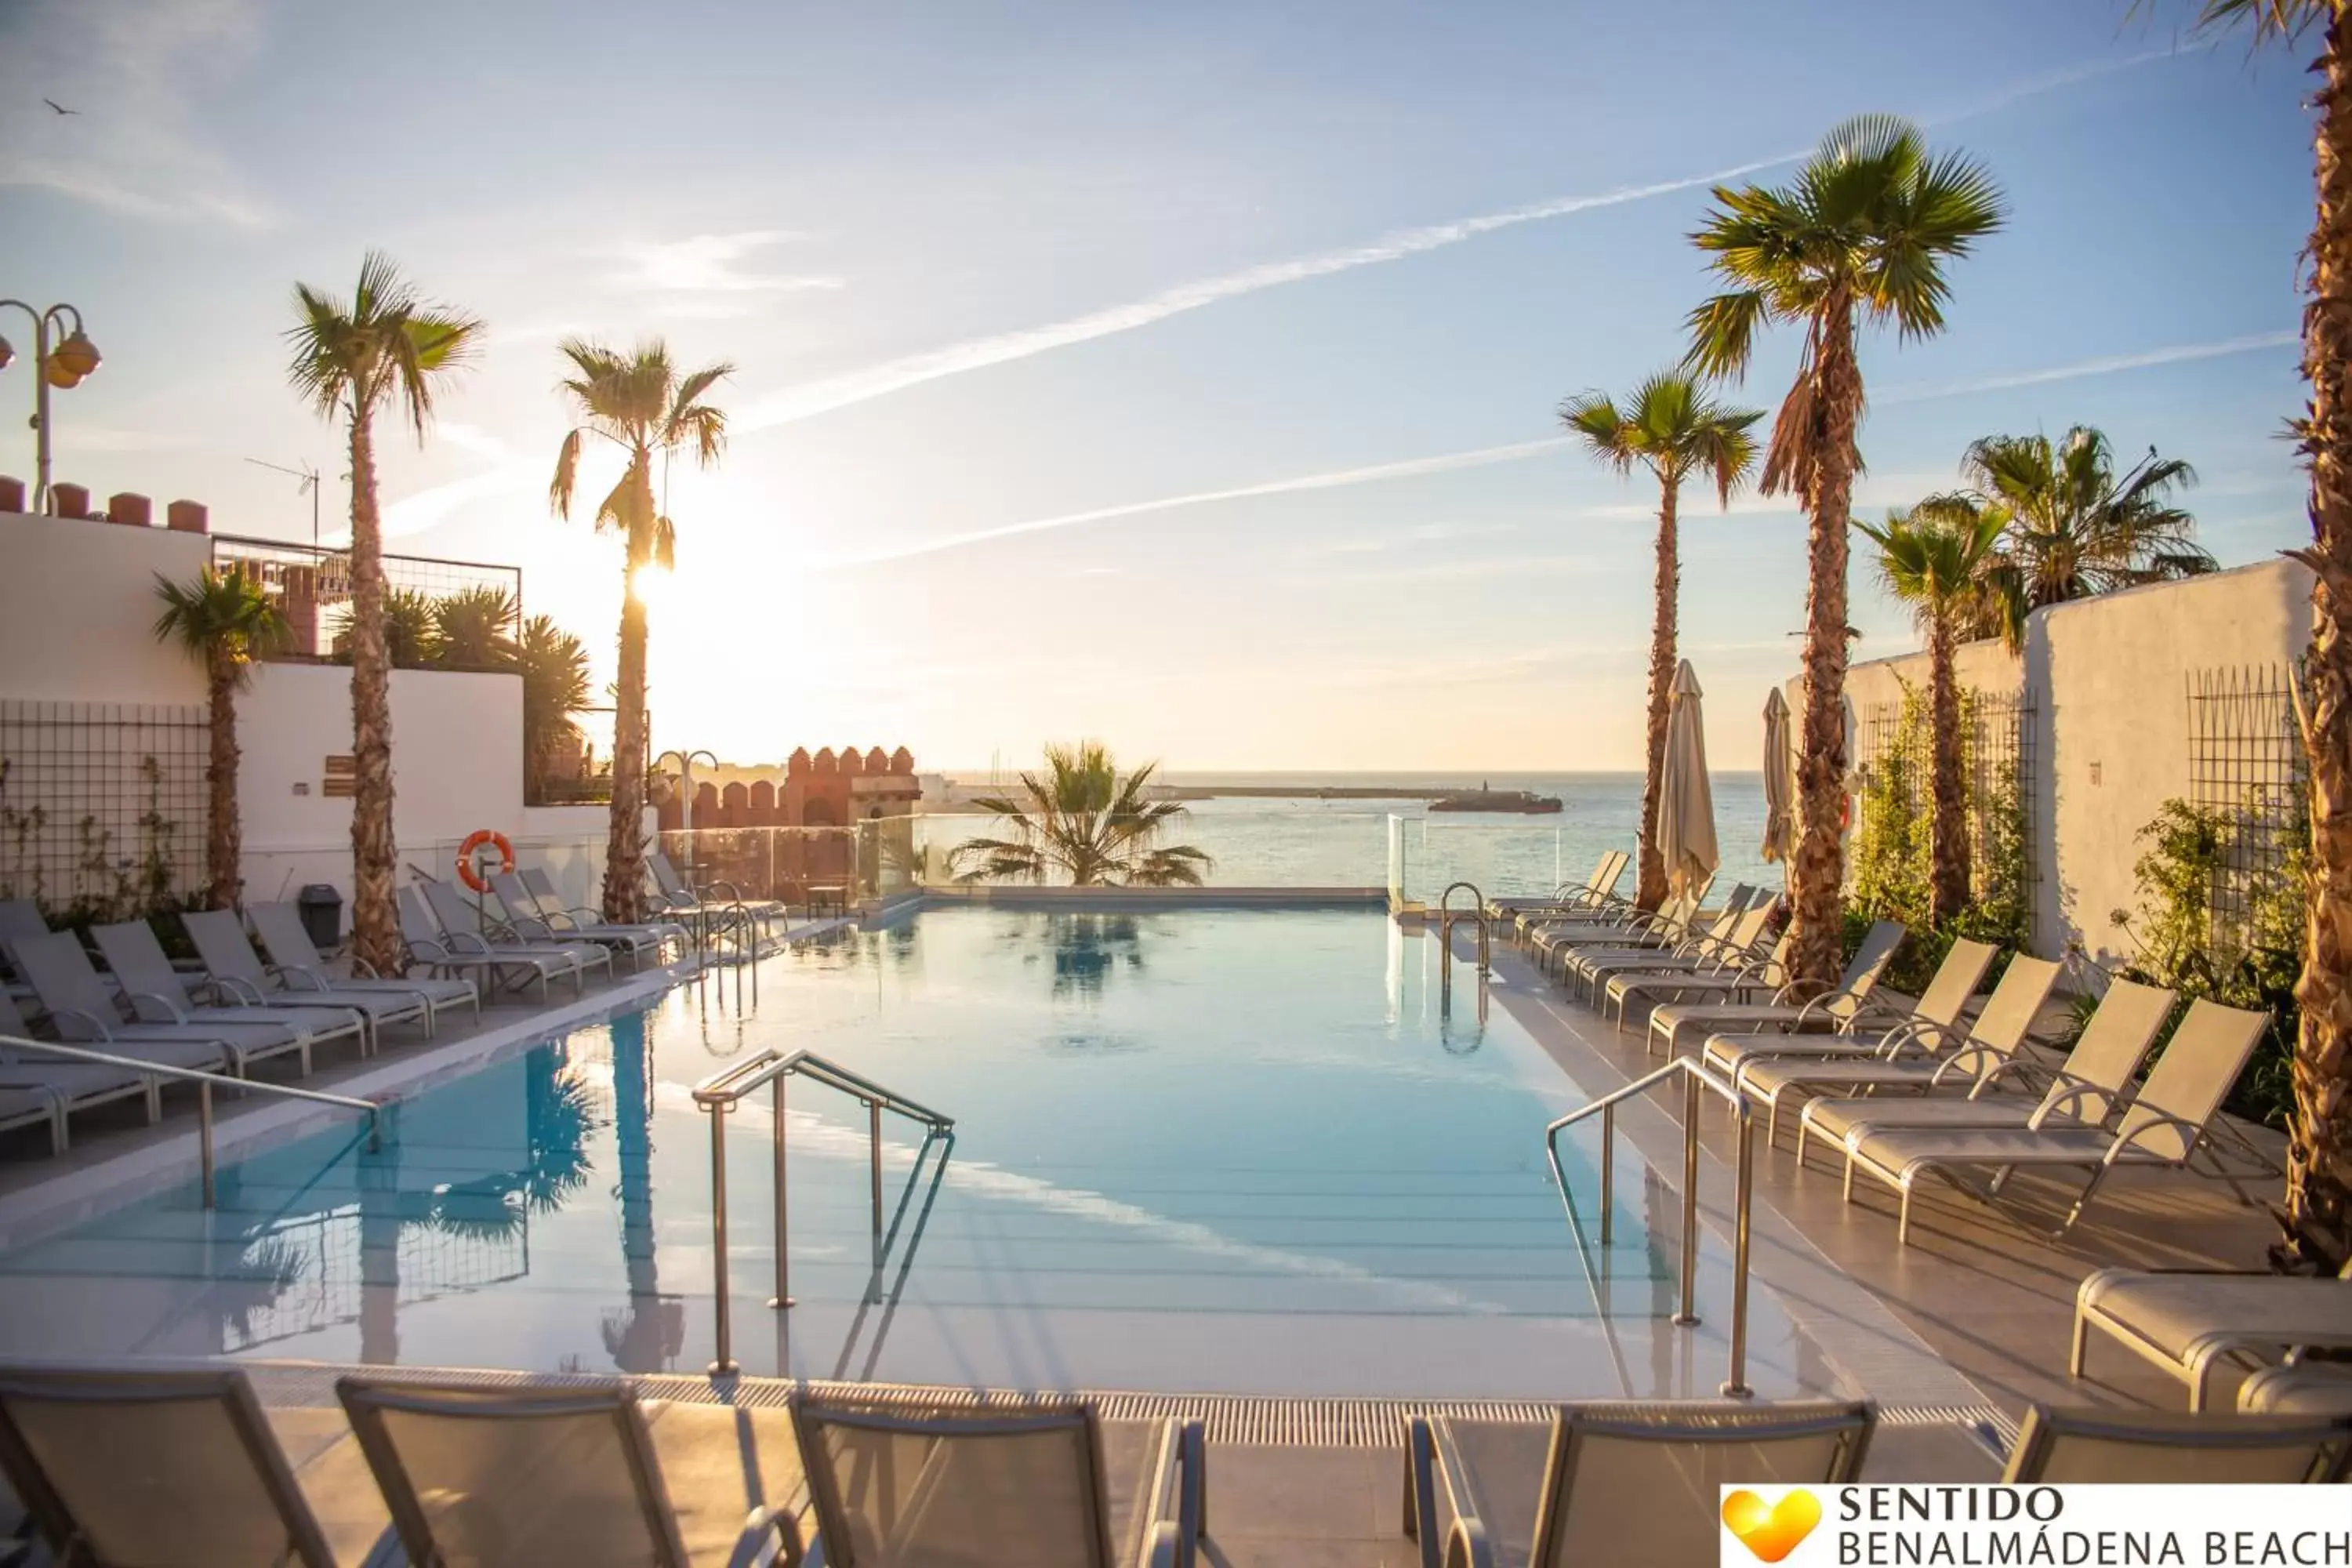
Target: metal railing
x,y
719,1093
1696,1077
203,1082
1445,916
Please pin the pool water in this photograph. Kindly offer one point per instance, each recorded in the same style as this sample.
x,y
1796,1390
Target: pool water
x,y
1242,1150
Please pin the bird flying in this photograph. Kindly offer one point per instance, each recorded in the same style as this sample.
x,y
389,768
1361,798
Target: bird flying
x,y
60,108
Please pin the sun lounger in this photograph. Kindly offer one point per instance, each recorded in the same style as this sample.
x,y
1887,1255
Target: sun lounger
x,y
451,951
1554,941
151,985
525,917
553,909
457,914
1932,1023
1789,1010
679,894
896,1483
557,1476
20,917
291,953
1748,974
2086,1087
2189,1322
1727,941
153,1466
2145,1449
83,1012
36,1087
235,968
1597,892
2307,1388
1627,1490
2165,1124
1919,1059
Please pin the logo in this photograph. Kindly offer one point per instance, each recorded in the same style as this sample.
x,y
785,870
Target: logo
x,y
1771,1531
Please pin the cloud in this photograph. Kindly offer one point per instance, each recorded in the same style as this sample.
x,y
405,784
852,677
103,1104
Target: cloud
x,y
2066,76
979,353
1408,469
131,69
427,507
707,263
2107,365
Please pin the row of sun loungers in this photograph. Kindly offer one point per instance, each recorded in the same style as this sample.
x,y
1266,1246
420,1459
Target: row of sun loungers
x,y
115,1466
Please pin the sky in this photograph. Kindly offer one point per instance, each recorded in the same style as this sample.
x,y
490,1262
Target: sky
x,y
1181,376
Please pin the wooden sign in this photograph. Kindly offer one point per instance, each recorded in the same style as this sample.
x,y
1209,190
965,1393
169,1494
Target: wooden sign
x,y
342,767
344,787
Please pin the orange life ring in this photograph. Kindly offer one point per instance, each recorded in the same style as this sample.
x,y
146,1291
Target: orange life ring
x,y
1845,814
466,872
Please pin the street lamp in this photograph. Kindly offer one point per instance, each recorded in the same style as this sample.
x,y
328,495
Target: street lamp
x,y
686,797
63,368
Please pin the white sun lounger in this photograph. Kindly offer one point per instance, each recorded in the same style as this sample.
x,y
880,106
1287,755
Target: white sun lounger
x,y
1932,1023
1598,891
153,1465
292,954
1553,942
1789,1010
1751,975
150,983
2149,1448
2189,1322
1919,1059
233,967
2304,1388
2165,1124
2086,1087
1728,941
1611,1487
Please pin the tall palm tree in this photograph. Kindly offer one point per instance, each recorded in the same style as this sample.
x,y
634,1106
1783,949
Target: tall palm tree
x,y
2072,528
1932,558
225,621
1672,428
2319,1137
1864,231
387,347
1081,819
642,403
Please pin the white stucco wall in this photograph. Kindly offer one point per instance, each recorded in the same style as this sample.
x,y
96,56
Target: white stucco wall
x,y
78,611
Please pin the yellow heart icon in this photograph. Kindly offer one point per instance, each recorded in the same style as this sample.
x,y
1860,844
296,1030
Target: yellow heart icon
x,y
1772,1533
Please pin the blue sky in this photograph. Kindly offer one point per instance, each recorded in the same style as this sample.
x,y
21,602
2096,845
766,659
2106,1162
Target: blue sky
x,y
1004,282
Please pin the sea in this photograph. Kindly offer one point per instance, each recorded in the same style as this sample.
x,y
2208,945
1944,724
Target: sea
x,y
1304,842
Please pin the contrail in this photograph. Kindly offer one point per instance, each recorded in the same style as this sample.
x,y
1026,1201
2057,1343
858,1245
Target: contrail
x,y
1443,463
978,353
2107,365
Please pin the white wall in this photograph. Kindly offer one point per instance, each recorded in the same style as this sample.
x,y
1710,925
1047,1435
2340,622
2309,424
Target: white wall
x,y
78,611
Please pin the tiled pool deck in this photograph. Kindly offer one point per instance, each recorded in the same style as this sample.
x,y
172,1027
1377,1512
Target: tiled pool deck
x,y
1971,1320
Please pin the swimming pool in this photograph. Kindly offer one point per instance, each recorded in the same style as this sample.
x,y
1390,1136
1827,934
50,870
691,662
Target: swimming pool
x,y
1202,1150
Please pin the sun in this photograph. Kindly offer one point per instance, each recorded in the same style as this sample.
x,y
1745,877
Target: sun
x,y
650,585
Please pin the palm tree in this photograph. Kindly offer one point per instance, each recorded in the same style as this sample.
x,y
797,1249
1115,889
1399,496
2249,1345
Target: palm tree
x,y
474,629
2072,529
388,347
640,403
2319,1139
1084,821
1674,429
225,621
410,638
554,686
1932,559
1865,229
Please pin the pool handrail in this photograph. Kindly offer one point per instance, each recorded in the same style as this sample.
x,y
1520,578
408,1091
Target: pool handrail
x,y
1481,912
720,1092
204,1081
1697,1077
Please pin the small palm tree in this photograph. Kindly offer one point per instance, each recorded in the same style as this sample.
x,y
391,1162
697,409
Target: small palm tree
x,y
225,621
2073,529
387,347
642,403
410,638
2319,1220
1083,821
474,629
1672,428
1932,558
554,668
1862,234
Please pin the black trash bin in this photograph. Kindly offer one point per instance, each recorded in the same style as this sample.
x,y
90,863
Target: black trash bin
x,y
322,915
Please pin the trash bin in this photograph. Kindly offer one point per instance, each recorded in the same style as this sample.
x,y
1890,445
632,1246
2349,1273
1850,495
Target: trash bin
x,y
322,915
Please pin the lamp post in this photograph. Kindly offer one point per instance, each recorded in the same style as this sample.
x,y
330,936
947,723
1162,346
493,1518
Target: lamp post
x,y
685,797
63,368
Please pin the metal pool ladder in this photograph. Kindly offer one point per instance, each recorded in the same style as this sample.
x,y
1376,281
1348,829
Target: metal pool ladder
x,y
719,1093
1697,1077
1446,928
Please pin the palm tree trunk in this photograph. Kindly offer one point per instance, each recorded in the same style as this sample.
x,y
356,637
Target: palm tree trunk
x,y
2319,1144
224,834
1650,891
1948,877
375,920
1818,867
624,859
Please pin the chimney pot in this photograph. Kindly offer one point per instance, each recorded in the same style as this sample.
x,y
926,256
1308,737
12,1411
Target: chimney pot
x,y
188,517
129,507
70,500
11,493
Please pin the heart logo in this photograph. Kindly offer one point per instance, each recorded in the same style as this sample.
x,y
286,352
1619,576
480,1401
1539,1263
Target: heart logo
x,y
1771,1531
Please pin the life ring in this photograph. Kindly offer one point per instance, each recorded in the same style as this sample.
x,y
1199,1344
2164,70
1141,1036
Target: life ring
x,y
1845,813
466,871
